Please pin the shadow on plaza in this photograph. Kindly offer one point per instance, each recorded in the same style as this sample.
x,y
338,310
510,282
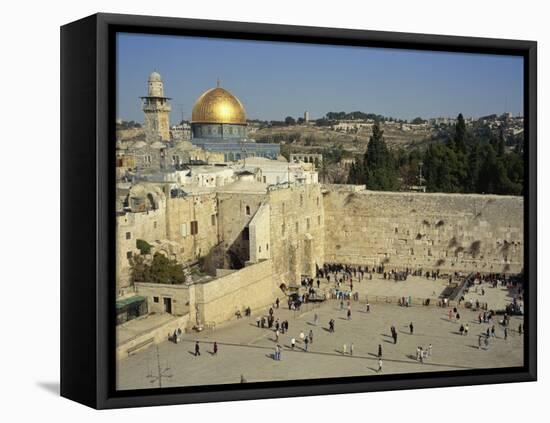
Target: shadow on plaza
x,y
411,358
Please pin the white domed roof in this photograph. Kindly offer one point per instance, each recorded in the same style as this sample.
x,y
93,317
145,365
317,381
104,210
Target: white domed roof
x,y
155,76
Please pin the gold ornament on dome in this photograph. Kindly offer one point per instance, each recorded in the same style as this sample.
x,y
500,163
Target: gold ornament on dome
x,y
218,106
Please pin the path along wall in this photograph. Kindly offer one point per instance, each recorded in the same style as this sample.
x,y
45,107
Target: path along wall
x,y
450,232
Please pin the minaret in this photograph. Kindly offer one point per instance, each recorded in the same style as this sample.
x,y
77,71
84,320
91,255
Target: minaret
x,y
157,110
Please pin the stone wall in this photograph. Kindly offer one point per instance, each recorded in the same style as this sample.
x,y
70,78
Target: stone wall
x,y
156,293
235,212
297,232
451,232
251,286
149,226
259,231
181,212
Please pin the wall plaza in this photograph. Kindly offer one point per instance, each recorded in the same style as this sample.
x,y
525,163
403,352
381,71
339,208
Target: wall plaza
x,y
248,226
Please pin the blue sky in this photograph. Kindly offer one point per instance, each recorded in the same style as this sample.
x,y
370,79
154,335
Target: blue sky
x,y
274,80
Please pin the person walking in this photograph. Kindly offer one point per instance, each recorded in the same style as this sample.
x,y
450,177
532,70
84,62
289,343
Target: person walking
x,y
520,329
368,307
344,349
306,342
430,350
379,365
351,348
302,336
197,349
292,343
411,328
505,333
310,336
215,348
349,314
461,330
379,350
277,335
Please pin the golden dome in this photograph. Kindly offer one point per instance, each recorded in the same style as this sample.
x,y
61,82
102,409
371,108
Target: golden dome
x,y
218,106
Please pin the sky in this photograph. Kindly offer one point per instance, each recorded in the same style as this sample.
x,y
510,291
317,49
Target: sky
x,y
274,79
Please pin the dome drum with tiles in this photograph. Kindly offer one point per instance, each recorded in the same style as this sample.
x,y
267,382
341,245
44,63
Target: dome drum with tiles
x,y
218,114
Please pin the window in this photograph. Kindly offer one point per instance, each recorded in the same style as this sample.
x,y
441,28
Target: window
x,y
264,179
184,229
128,235
267,247
283,229
318,220
307,223
246,234
129,255
260,249
156,299
155,224
297,227
248,210
213,218
317,201
301,200
194,227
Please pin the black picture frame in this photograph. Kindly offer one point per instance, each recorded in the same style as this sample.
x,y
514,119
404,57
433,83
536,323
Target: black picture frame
x,y
87,202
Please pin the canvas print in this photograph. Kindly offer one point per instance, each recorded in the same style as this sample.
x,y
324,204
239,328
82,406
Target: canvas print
x,y
290,211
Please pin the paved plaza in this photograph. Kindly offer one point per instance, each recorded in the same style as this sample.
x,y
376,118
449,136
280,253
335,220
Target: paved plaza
x,y
420,287
247,351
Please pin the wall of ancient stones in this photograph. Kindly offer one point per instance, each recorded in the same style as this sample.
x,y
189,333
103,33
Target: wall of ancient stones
x,y
251,286
451,232
296,232
149,226
181,212
235,212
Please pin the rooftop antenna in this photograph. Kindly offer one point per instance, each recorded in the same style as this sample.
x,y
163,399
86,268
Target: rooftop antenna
x,y
218,82
181,109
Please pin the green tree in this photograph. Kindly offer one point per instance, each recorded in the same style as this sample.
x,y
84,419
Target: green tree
x,y
380,173
143,246
459,139
160,270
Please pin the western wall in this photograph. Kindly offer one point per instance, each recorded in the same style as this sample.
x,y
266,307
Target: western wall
x,y
450,232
